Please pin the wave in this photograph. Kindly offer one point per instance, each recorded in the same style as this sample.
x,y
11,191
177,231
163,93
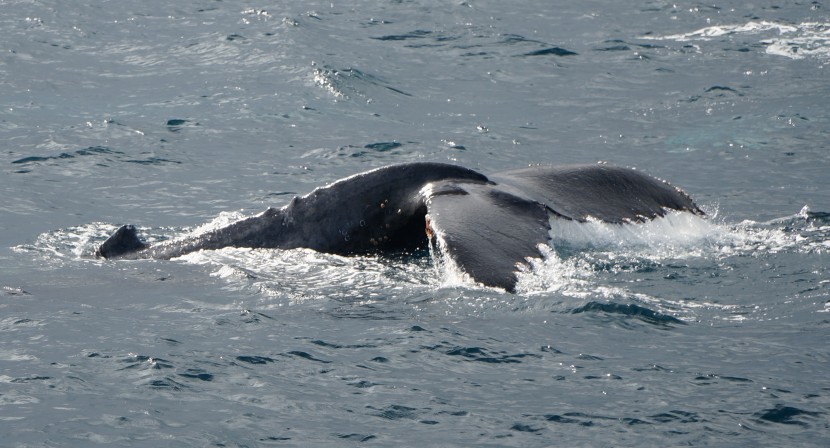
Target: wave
x,y
795,41
630,272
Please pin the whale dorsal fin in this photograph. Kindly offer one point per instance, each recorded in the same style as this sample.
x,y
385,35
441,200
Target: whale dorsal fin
x,y
608,193
485,230
124,240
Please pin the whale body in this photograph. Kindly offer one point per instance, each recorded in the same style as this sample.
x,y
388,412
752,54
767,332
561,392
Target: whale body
x,y
487,226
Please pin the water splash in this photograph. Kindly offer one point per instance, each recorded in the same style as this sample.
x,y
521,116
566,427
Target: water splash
x,y
594,266
795,41
710,32
601,264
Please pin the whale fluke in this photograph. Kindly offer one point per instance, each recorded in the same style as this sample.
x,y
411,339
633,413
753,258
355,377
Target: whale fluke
x,y
486,226
605,192
487,231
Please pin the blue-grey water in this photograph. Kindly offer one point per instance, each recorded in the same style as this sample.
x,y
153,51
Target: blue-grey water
x,y
170,115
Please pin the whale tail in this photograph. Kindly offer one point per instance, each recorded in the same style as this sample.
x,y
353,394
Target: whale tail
x,y
125,240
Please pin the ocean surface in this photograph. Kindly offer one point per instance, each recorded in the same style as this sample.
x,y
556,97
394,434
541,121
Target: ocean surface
x,y
179,115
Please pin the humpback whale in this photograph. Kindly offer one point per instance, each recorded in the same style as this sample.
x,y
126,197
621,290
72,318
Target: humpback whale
x,y
486,225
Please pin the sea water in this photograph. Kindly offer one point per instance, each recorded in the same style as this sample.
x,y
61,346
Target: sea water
x,y
181,116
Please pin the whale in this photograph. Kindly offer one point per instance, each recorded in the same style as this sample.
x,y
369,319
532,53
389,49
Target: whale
x,y
487,226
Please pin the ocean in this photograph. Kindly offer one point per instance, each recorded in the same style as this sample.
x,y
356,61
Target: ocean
x,y
181,116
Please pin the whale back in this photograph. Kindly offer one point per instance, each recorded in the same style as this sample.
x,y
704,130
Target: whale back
x,y
378,210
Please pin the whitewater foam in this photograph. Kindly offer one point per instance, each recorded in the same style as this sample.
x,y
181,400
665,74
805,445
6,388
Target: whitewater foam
x,y
794,41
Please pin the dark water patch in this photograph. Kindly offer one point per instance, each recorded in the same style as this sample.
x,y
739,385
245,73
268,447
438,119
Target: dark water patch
x,y
356,437
521,427
166,384
369,79
307,356
479,354
55,45
787,415
555,418
417,34
393,89
236,37
326,344
274,439
362,384
652,368
722,89
422,39
714,93
708,378
736,379
146,362
582,415
94,151
650,46
630,310
552,51
366,311
282,193
511,39
549,349
89,151
255,359
30,379
454,413
249,316
631,421
614,45
351,81
608,376
676,416
177,124
153,161
375,22
713,378
23,321
197,374
395,412
383,146
588,420
322,343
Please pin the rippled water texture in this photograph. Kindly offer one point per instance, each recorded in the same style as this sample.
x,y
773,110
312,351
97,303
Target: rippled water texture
x,y
179,117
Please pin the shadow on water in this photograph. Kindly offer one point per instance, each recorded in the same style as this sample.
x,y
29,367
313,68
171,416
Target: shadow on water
x,y
609,310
